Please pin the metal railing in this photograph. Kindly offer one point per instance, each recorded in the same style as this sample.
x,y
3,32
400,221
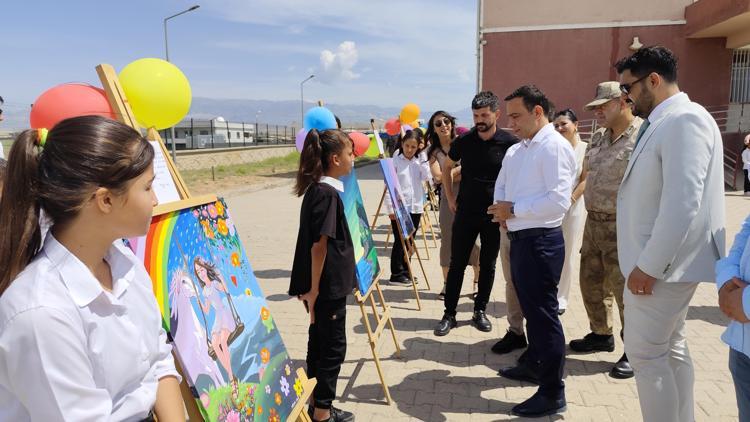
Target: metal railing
x,y
210,134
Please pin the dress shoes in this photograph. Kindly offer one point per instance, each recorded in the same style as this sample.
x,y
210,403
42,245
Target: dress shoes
x,y
520,372
540,405
445,325
510,342
594,343
480,321
622,369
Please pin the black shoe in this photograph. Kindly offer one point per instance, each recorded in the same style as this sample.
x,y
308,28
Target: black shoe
x,y
338,415
511,341
523,358
560,311
480,321
622,369
400,281
540,405
445,325
594,342
520,373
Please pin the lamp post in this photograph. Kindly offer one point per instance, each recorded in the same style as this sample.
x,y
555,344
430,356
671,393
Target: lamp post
x,y
257,136
166,53
302,99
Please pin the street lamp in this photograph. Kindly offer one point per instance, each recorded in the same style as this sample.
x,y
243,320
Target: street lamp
x,y
257,136
302,99
166,53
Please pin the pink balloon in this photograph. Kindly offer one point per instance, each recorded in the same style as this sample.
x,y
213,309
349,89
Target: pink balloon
x,y
69,100
460,130
361,142
300,139
392,126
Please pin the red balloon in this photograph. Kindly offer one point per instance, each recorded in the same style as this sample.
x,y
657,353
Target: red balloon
x,y
69,100
393,127
361,142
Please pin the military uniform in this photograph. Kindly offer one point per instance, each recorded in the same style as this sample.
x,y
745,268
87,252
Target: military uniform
x,y
600,278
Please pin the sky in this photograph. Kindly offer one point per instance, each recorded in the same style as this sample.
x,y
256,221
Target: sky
x,y
380,52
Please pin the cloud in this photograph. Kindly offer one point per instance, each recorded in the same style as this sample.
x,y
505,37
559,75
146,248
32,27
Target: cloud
x,y
338,66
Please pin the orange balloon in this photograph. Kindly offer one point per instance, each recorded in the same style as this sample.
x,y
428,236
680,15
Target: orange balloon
x,y
409,113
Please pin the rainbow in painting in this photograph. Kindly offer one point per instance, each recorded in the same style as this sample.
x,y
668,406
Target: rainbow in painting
x,y
365,254
214,310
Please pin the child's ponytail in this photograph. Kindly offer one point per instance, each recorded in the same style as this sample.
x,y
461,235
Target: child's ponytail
x,y
316,152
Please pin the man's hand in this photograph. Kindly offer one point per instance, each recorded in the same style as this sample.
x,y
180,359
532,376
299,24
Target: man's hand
x,y
730,300
500,211
640,283
308,299
451,203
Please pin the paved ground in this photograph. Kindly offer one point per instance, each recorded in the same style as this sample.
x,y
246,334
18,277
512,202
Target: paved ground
x,y
454,377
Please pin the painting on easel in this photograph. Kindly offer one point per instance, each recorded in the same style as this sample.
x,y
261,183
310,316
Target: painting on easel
x,y
365,254
223,333
395,202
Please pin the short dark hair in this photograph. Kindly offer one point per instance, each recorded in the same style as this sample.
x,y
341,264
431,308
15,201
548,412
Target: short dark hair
x,y
532,97
655,58
569,113
485,99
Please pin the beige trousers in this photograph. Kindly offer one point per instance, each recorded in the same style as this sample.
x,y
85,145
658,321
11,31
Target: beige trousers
x,y
515,314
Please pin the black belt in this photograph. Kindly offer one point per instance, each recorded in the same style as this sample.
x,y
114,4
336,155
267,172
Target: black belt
x,y
150,417
522,234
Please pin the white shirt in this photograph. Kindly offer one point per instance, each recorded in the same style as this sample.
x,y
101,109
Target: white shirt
x,y
746,159
538,177
332,182
70,350
662,107
411,177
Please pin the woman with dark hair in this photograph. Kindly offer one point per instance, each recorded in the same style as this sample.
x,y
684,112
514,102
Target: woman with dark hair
x,y
441,131
81,336
566,123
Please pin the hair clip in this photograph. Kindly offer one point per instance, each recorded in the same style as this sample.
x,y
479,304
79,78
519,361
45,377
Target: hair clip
x,y
41,137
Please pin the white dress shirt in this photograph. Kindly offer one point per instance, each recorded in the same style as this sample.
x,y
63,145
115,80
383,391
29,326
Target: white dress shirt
x,y
411,177
72,351
746,159
537,176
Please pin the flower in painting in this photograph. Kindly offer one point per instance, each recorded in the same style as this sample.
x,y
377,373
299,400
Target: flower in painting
x,y
205,400
248,292
236,259
230,225
221,225
264,313
274,416
265,355
287,370
196,213
298,387
277,399
204,213
212,211
268,389
233,416
234,279
219,207
207,229
284,386
260,410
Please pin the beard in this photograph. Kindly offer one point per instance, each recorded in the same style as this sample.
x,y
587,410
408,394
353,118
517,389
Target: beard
x,y
482,127
643,106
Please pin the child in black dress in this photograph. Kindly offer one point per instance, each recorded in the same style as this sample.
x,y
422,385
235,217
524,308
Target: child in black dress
x,y
323,272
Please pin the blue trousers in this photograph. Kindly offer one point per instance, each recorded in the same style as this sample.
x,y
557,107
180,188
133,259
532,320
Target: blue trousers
x,y
739,366
535,264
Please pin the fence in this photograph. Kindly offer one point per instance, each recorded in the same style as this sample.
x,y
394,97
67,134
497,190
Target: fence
x,y
208,134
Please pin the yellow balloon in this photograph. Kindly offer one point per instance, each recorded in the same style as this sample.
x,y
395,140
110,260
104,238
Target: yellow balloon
x,y
158,92
409,113
414,124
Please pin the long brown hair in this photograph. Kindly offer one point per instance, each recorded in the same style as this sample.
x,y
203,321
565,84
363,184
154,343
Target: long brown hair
x,y
316,152
80,155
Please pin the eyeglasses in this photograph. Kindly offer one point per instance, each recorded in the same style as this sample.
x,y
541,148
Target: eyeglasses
x,y
625,88
441,122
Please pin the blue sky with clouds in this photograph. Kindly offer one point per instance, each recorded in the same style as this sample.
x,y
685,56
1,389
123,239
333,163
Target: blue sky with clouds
x,y
381,52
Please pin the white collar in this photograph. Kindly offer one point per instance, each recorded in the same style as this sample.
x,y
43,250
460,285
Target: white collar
x,y
334,183
79,280
659,110
541,134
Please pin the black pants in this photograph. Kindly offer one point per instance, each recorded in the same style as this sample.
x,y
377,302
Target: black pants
x,y
747,181
326,349
399,270
466,228
535,264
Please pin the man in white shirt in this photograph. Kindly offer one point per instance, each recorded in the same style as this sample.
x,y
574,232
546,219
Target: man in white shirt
x,y
532,194
670,228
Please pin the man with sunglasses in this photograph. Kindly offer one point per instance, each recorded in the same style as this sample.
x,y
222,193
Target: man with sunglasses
x,y
601,281
670,228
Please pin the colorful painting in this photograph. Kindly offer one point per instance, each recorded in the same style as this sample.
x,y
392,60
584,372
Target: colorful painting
x,y
394,193
222,330
365,254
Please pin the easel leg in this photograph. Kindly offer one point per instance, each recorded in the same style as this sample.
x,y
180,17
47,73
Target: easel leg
x,y
421,265
390,321
299,413
377,212
407,252
424,237
374,340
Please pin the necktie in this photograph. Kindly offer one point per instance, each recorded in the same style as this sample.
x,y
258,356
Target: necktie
x,y
641,131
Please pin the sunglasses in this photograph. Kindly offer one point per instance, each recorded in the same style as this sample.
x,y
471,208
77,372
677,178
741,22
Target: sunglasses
x,y
625,88
441,122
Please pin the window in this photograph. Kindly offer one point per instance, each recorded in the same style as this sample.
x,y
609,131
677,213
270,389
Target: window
x,y
204,132
740,85
247,134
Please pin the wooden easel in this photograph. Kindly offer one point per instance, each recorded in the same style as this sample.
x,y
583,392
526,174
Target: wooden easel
x,y
425,217
382,320
121,106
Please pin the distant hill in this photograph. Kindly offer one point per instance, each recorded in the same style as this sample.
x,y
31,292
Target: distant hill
x,y
271,112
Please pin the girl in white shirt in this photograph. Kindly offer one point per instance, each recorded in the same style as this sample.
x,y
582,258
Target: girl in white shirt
x,y
746,164
80,330
412,172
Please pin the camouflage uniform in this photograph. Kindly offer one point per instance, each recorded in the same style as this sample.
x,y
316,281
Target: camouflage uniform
x,y
600,278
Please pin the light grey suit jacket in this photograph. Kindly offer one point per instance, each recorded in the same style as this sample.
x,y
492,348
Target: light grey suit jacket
x,y
670,206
